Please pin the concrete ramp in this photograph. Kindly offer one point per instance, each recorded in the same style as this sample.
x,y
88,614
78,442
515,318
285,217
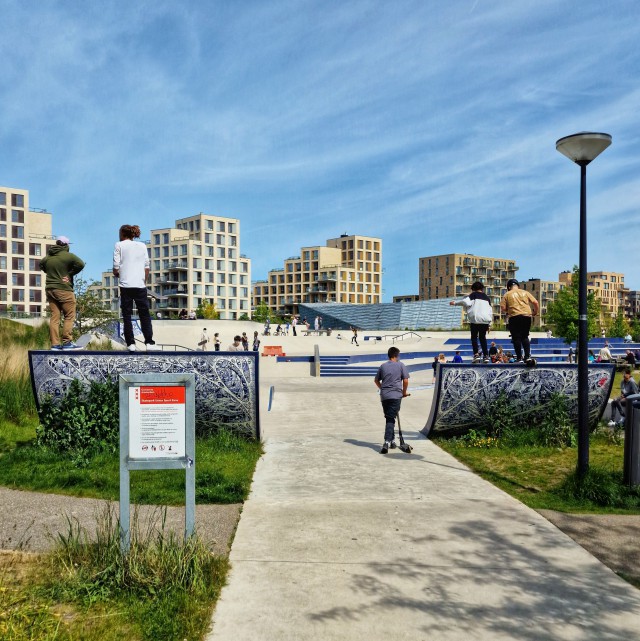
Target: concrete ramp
x,y
463,392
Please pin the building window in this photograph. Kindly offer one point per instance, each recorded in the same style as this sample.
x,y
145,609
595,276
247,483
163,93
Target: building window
x,y
3,197
17,216
35,280
18,263
3,231
17,200
16,248
35,249
3,214
3,262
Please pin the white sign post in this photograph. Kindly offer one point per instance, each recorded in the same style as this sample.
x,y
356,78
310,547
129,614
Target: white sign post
x,y
157,432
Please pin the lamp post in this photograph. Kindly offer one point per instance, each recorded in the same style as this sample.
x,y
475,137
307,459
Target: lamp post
x,y
582,148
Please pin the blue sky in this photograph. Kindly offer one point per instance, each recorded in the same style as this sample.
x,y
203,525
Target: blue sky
x,y
429,124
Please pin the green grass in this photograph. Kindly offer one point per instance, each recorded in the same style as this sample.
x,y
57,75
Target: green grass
x,y
164,589
542,478
224,469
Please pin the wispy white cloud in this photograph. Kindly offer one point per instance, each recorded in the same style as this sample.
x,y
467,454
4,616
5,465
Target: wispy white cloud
x,y
432,126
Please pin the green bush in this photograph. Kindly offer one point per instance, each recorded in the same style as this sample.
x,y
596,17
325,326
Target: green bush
x,y
499,422
84,422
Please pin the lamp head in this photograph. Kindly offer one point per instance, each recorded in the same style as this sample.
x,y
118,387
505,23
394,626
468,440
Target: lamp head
x,y
582,148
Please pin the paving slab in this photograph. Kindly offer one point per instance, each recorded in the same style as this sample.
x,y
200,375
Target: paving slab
x,y
338,541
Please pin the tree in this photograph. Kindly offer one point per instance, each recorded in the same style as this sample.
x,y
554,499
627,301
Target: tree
x,y
619,326
261,313
207,310
562,314
91,312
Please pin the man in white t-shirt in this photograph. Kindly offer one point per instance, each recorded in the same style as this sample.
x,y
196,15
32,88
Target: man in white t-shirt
x,y
131,267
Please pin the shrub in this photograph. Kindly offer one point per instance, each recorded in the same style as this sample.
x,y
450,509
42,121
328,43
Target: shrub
x,y
499,422
84,422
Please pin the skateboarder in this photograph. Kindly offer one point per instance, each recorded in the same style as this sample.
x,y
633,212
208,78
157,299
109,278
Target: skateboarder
x,y
392,379
520,307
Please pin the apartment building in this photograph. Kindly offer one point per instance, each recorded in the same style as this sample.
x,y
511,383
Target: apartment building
x,y
609,288
25,237
107,291
347,269
545,292
196,260
632,307
451,275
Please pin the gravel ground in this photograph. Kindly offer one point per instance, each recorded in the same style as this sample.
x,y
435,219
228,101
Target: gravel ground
x,y
611,538
31,520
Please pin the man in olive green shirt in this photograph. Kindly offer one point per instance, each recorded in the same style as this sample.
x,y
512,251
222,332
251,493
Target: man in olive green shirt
x,y
60,266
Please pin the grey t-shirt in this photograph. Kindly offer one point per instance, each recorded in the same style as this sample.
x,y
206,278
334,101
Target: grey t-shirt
x,y
390,375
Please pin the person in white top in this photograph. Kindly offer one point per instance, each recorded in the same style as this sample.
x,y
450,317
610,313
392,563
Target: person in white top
x,y
131,266
236,346
204,339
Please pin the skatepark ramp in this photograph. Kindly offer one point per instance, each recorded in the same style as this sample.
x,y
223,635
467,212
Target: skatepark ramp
x,y
463,392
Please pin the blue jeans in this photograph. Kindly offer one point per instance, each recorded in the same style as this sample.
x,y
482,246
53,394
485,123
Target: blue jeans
x,y
390,407
129,295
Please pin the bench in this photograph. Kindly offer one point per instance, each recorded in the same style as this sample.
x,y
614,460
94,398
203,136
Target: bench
x,y
273,350
317,332
464,390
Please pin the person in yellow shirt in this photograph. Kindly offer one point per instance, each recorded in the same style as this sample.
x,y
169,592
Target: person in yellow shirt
x,y
520,307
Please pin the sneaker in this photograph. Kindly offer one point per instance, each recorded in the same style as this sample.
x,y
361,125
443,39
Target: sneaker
x,y
519,360
530,361
620,423
385,448
70,346
56,347
132,348
392,445
611,424
486,360
476,358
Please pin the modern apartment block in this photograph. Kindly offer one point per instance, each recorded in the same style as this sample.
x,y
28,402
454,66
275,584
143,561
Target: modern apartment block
x,y
545,292
609,288
632,308
347,269
25,237
108,291
197,260
451,275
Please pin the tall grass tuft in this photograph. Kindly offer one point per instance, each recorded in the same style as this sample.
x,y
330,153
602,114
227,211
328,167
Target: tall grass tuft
x,y
169,583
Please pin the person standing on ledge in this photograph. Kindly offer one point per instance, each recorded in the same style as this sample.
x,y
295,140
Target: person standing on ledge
x,y
480,314
60,266
518,305
392,380
131,266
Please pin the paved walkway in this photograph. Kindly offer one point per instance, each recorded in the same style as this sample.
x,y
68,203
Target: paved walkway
x,y
340,542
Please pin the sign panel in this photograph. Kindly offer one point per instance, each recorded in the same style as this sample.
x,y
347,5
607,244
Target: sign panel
x,y
157,421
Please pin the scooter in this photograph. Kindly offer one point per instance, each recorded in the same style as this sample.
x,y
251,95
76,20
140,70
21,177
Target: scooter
x,y
405,447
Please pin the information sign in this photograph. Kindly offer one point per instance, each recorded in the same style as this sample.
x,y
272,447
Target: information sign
x,y
157,427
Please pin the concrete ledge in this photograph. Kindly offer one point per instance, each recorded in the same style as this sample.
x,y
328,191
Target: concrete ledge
x,y
226,382
463,392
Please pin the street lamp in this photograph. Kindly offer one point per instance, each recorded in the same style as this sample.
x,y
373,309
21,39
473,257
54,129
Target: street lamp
x,y
582,148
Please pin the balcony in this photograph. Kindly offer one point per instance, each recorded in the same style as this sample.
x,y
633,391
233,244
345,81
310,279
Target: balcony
x,y
167,280
175,264
175,292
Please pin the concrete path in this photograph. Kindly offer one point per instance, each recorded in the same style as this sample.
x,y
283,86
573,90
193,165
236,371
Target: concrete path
x,y
340,542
